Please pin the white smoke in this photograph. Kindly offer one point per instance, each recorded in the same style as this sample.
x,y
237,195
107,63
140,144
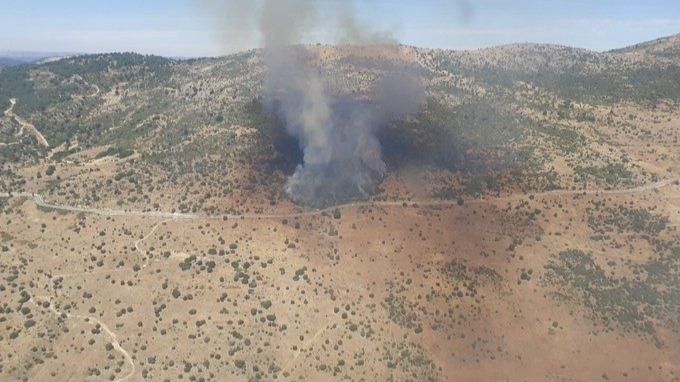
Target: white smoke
x,y
337,134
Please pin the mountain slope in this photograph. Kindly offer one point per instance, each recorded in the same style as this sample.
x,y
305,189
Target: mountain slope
x,y
498,113
665,47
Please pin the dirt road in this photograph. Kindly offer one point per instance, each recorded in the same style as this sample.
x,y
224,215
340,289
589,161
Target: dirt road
x,y
38,200
25,125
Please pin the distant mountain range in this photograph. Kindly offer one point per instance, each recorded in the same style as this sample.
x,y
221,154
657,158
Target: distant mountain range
x,y
664,47
12,58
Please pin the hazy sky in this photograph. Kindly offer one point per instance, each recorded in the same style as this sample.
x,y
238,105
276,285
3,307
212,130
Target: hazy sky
x,y
184,28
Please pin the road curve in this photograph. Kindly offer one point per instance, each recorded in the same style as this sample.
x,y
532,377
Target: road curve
x,y
25,124
38,200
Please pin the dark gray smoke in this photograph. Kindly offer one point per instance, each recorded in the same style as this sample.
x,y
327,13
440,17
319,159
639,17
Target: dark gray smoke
x,y
336,132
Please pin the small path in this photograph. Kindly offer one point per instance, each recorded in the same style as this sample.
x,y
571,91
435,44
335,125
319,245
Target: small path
x,y
25,125
305,346
116,270
95,320
96,92
147,261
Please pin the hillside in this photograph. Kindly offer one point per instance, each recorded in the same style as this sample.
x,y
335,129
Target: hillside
x,y
478,102
664,48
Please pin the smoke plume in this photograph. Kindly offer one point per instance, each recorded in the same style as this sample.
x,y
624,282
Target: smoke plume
x,y
336,131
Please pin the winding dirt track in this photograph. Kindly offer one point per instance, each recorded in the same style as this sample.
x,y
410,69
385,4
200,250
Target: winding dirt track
x,y
38,200
93,321
25,125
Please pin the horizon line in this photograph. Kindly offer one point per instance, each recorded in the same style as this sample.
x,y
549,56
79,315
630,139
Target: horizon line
x,y
41,55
